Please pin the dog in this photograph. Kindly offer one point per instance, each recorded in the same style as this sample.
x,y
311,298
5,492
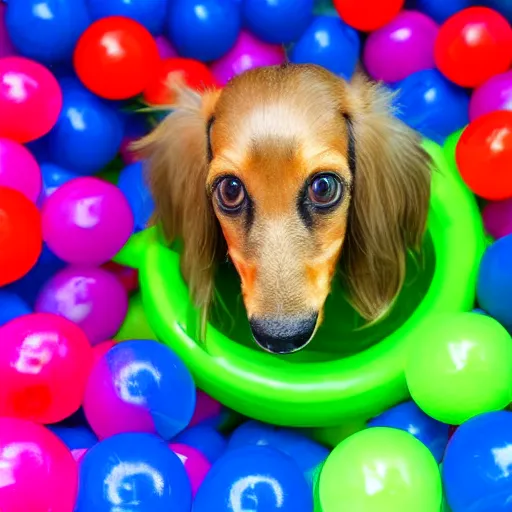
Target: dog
x,y
296,173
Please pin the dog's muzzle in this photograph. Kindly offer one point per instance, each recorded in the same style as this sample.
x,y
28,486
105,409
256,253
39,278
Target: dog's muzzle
x,y
283,335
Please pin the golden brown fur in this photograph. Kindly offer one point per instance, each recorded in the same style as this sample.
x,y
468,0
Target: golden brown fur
x,y
275,129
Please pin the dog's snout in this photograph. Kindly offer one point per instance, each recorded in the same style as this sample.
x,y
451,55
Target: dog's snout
x,y
283,335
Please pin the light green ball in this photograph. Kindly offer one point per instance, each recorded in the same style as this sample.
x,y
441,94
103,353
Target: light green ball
x,y
460,367
380,470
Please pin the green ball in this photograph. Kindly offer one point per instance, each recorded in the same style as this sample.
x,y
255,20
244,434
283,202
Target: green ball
x,y
380,469
460,367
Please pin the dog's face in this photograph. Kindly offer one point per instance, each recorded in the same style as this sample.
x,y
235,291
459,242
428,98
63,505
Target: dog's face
x,y
282,164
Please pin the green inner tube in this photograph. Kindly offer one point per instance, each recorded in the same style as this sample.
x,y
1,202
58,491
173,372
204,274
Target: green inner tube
x,y
349,370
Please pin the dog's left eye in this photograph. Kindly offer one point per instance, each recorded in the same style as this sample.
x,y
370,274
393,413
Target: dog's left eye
x,y
325,190
230,193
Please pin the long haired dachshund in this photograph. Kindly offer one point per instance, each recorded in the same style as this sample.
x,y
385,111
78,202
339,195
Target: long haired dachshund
x,y
295,173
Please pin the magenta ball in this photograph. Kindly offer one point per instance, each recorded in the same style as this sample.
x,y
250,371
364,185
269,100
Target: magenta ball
x,y
87,221
19,169
402,47
90,297
497,218
196,464
207,409
128,156
248,52
37,471
165,49
6,47
495,94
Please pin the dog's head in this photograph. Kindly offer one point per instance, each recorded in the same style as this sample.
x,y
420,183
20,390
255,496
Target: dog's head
x,y
295,172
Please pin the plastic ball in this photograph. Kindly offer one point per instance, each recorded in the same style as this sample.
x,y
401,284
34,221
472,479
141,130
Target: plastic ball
x,y
53,178
205,439
12,306
132,470
19,169
127,276
116,57
30,99
6,46
461,367
44,363
149,13
203,29
195,463
207,410
380,469
46,30
495,281
247,53
194,74
165,48
484,155
125,151
90,297
266,478
88,133
322,43
20,235
78,439
277,21
504,7
497,217
410,418
100,349
474,45
87,221
37,471
139,386
440,10
368,15
431,104
403,46
495,94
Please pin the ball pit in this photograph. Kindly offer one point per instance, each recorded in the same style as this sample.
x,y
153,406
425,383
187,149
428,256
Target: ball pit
x,y
109,398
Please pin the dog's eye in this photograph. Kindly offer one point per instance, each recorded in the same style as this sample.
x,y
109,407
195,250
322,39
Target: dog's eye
x,y
231,193
325,190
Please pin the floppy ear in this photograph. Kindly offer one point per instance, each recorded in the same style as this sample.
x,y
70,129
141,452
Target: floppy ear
x,y
176,154
390,199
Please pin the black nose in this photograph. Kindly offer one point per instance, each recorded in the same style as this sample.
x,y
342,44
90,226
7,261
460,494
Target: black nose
x,y
283,335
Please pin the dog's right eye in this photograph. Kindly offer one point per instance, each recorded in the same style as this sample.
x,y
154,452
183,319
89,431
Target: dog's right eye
x,y
230,194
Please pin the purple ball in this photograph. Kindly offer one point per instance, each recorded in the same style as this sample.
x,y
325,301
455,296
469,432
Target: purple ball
x,y
87,221
6,47
165,49
497,218
495,94
91,297
248,53
402,47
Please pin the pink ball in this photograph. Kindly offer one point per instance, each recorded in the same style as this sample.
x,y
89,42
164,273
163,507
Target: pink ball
x,y
44,363
196,464
495,94
497,218
30,99
248,53
165,49
19,169
99,350
37,471
402,47
87,220
90,297
207,408
6,47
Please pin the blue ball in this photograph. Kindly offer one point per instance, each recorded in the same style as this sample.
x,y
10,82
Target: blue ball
x,y
477,465
504,7
205,439
431,104
150,13
440,10
46,30
75,438
53,177
88,133
203,29
256,478
11,306
331,43
494,286
409,417
133,185
277,21
133,471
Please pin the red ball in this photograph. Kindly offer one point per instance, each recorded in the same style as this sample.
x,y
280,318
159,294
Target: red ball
x,y
484,155
473,45
368,15
21,238
116,57
44,363
195,74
